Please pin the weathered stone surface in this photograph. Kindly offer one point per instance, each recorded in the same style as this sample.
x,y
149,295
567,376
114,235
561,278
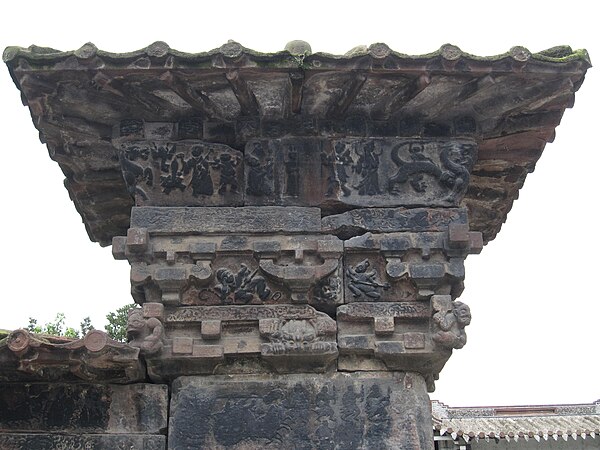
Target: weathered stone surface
x,y
24,441
233,269
244,339
407,336
182,173
25,356
83,408
389,220
399,172
231,95
284,172
331,173
220,220
342,412
407,266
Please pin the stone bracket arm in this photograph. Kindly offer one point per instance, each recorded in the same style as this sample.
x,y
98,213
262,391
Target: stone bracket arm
x,y
170,280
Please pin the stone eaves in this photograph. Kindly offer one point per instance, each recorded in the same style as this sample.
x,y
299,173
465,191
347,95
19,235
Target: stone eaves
x,y
510,104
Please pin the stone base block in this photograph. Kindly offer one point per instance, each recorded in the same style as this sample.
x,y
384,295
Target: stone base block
x,y
303,411
17,441
80,408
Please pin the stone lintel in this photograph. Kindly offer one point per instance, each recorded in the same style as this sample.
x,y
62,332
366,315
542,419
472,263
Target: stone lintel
x,y
226,220
343,410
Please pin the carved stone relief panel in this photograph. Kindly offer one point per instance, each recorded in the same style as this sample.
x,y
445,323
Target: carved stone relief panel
x,y
283,171
407,266
243,339
388,336
182,173
234,270
397,172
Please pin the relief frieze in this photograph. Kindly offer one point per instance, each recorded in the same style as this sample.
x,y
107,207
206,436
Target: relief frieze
x,y
247,312
393,172
184,173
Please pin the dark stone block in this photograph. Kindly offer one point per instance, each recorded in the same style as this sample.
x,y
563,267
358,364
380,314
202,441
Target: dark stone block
x,y
14,441
61,407
343,411
227,220
388,220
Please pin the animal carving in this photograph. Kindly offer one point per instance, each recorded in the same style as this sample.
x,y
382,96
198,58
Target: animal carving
x,y
145,334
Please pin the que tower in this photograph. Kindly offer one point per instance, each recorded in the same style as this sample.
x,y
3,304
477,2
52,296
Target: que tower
x,y
296,226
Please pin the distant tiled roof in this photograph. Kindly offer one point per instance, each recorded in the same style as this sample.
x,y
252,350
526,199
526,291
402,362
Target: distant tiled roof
x,y
512,423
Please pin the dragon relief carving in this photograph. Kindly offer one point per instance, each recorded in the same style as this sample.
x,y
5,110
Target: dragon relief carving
x,y
456,160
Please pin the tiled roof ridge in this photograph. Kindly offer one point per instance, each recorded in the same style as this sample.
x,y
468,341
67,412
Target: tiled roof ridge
x,y
296,52
477,422
514,410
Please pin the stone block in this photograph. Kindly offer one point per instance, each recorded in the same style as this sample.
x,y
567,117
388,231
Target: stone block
x,y
389,336
402,266
43,441
325,412
388,220
201,270
82,408
244,339
224,220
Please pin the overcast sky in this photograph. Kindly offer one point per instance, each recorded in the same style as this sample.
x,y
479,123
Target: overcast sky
x,y
533,291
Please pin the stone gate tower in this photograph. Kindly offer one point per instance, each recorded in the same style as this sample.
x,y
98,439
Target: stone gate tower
x,y
296,226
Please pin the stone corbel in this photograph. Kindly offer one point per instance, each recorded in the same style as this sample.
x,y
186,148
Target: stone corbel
x,y
300,278
170,281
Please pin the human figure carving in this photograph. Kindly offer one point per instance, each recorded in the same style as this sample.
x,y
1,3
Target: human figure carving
x,y
363,282
450,324
259,176
367,167
242,285
226,164
202,183
145,334
336,164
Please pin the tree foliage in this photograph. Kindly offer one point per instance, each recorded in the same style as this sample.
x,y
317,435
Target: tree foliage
x,y
116,327
117,322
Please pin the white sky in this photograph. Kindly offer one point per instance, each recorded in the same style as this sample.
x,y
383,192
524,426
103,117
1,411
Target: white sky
x,y
532,292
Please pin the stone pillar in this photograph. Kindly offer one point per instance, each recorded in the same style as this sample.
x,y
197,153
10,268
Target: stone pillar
x,y
301,292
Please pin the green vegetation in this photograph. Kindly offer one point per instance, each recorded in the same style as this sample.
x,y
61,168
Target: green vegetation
x,y
116,328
